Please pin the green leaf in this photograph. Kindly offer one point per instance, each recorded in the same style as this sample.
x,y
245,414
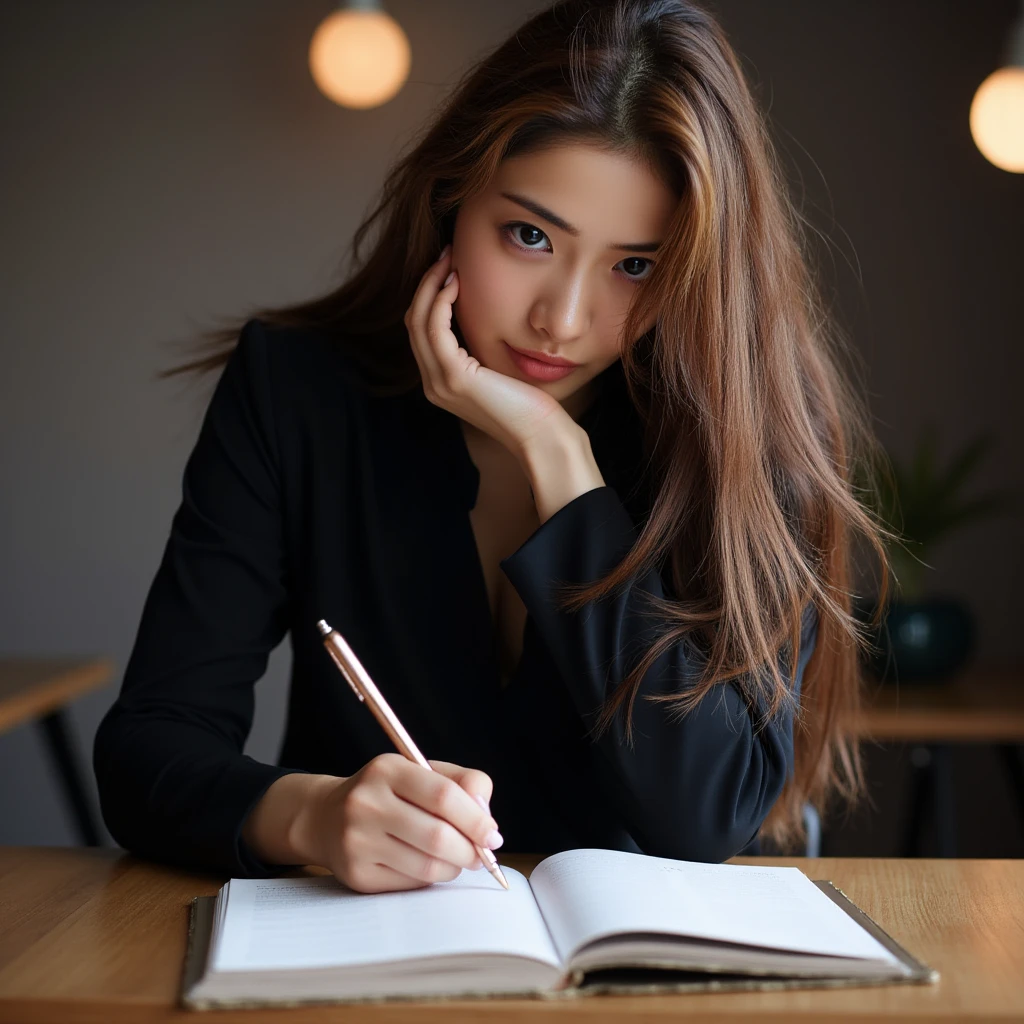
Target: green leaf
x,y
923,464
923,502
964,464
967,512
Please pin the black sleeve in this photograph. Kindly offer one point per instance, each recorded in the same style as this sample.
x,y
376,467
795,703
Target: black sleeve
x,y
691,789
173,782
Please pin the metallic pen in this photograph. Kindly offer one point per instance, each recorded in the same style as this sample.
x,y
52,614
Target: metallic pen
x,y
365,689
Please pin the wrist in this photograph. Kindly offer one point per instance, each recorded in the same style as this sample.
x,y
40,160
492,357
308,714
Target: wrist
x,y
303,833
281,828
560,467
543,457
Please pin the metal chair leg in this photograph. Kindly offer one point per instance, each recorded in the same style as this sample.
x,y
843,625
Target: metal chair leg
x,y
812,823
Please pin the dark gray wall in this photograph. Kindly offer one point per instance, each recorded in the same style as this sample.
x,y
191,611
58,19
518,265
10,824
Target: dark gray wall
x,y
166,164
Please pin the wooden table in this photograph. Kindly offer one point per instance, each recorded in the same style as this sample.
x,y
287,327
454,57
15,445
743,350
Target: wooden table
x,y
979,705
983,704
40,688
94,935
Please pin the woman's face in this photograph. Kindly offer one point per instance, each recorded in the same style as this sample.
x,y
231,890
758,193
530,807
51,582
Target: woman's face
x,y
549,256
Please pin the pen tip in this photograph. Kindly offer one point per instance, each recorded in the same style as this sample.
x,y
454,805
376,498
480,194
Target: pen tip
x,y
323,627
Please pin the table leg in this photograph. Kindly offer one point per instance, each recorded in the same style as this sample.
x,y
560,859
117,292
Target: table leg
x,y
58,739
922,785
931,789
1010,753
945,801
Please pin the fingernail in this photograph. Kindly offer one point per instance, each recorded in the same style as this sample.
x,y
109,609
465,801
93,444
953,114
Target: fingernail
x,y
444,252
448,279
482,802
493,840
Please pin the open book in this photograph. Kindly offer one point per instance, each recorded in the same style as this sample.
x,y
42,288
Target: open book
x,y
585,921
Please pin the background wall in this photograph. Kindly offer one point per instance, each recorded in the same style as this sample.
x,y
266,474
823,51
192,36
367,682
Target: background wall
x,y
167,164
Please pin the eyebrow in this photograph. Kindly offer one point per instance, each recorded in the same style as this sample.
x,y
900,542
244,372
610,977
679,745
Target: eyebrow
x,y
552,218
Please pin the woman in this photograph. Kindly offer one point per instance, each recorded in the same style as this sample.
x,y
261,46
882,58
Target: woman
x,y
613,593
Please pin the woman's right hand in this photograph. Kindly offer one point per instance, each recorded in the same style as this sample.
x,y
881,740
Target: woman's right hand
x,y
395,825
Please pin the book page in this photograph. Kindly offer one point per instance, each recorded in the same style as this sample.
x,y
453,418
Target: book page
x,y
318,922
590,894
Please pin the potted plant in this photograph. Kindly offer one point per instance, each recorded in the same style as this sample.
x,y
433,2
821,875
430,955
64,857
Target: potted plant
x,y
922,634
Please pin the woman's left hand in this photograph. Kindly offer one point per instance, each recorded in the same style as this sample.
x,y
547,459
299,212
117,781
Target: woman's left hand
x,y
513,412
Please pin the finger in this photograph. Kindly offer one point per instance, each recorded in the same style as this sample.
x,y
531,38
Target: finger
x,y
433,838
444,348
434,344
476,783
412,862
423,301
382,878
430,284
442,802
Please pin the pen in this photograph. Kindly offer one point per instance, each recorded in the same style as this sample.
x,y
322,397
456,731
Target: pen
x,y
366,690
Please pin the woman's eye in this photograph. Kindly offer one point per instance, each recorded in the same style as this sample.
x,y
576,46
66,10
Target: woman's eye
x,y
526,236
636,268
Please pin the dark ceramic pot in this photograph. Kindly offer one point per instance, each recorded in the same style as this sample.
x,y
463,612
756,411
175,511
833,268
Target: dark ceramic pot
x,y
925,641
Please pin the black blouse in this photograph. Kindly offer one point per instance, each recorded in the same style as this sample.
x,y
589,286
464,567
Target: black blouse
x,y
306,497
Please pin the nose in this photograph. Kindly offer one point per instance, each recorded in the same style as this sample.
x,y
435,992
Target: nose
x,y
561,310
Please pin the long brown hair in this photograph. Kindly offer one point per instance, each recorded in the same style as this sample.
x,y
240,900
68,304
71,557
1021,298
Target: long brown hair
x,y
753,431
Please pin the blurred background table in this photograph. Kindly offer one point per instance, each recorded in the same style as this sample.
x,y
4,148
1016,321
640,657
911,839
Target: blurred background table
x,y
40,689
980,705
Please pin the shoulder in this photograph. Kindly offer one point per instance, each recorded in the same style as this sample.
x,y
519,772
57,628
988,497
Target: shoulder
x,y
292,360
306,390
809,619
291,393
302,380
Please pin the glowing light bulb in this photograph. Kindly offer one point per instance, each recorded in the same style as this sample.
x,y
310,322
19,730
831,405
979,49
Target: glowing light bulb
x,y
997,118
359,57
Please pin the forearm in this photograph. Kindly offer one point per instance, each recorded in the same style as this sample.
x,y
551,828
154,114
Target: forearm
x,y
560,469
280,829
173,790
695,788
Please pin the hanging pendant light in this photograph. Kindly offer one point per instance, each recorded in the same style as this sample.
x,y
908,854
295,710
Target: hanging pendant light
x,y
359,56
997,111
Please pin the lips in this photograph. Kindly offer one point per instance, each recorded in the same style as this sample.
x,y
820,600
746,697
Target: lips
x,y
538,369
540,357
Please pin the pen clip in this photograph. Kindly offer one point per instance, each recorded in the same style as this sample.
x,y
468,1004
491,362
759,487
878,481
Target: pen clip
x,y
326,632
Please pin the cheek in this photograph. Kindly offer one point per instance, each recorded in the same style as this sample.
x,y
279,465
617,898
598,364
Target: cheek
x,y
612,336
607,343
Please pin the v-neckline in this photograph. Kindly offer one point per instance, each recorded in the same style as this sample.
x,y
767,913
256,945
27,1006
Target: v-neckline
x,y
480,597
464,482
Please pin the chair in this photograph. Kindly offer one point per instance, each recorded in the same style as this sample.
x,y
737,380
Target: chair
x,y
812,823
